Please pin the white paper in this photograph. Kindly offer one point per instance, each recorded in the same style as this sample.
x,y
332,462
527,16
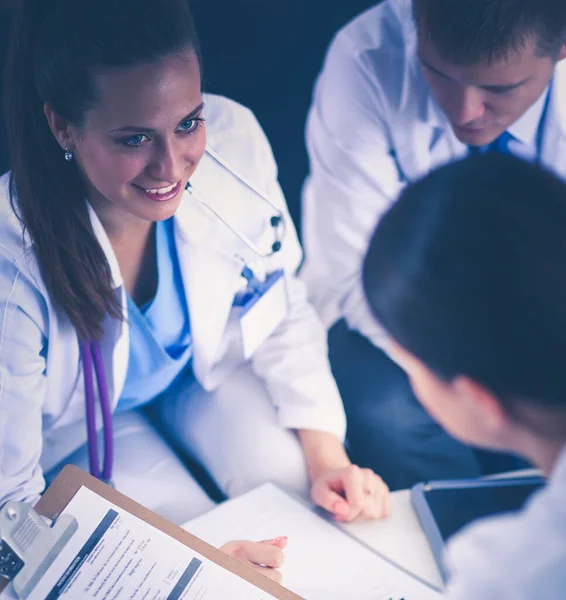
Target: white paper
x,y
116,556
400,538
321,562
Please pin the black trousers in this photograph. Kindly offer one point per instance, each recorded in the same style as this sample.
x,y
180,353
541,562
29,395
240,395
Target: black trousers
x,y
388,430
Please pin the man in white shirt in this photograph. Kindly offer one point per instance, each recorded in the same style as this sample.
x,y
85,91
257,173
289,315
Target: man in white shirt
x,y
407,86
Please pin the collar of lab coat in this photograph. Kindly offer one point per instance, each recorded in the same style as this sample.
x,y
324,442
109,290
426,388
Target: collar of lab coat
x,y
211,278
186,213
106,246
208,257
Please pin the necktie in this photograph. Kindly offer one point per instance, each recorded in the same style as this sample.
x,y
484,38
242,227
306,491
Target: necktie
x,y
500,144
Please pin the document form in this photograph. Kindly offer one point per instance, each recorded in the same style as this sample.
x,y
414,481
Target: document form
x,y
321,561
116,556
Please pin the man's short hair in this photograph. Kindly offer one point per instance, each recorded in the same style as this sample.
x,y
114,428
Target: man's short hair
x,y
471,31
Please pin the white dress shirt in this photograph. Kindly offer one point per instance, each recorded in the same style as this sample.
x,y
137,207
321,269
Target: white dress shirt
x,y
515,557
525,130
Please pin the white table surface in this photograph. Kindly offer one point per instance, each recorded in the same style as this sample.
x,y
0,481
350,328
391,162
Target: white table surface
x,y
400,538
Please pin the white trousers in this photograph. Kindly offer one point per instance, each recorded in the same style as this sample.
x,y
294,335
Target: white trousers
x,y
147,470
231,431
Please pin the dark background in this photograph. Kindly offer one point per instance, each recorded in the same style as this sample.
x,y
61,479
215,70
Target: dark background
x,y
263,53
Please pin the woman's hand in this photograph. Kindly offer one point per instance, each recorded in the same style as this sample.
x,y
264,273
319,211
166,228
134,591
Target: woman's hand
x,y
345,490
351,494
265,557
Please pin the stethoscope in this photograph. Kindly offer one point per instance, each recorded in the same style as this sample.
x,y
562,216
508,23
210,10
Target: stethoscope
x,y
90,351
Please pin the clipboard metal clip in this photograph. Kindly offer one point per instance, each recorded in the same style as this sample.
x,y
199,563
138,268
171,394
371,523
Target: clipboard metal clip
x,y
29,544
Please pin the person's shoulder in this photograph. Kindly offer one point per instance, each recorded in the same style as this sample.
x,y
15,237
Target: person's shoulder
x,y
385,29
4,191
228,120
13,244
17,258
376,51
390,21
523,552
234,133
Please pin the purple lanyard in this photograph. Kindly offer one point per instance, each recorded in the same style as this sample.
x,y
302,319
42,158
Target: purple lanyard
x,y
90,353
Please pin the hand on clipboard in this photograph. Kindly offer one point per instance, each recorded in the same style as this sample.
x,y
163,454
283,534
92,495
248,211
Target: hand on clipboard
x,y
101,544
264,557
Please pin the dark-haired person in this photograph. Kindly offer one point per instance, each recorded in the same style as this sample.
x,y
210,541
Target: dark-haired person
x,y
466,275
407,86
183,303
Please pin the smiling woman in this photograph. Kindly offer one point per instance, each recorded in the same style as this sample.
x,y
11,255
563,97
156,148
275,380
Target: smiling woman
x,y
119,267
60,66
135,173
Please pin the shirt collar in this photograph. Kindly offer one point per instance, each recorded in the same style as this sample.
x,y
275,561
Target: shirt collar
x,y
525,128
106,246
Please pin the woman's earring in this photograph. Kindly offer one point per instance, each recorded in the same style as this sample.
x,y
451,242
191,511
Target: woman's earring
x,y
68,155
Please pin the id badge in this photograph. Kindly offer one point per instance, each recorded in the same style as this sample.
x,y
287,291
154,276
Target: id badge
x,y
263,312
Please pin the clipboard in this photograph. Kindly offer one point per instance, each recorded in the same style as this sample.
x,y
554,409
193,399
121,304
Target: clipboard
x,y
72,479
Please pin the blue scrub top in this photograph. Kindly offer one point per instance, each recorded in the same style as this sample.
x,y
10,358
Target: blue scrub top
x,y
160,333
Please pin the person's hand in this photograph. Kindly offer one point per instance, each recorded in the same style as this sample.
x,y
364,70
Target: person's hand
x,y
265,557
343,489
351,494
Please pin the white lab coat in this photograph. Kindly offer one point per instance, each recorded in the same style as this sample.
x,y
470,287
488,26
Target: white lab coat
x,y
374,126
42,407
516,556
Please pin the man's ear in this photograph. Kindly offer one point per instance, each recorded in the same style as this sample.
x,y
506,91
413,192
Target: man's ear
x,y
59,127
481,400
562,53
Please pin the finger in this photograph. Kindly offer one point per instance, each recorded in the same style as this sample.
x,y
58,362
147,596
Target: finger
x,y
371,481
372,508
262,553
373,501
370,502
280,541
384,496
387,502
273,574
375,491
353,481
324,497
377,494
